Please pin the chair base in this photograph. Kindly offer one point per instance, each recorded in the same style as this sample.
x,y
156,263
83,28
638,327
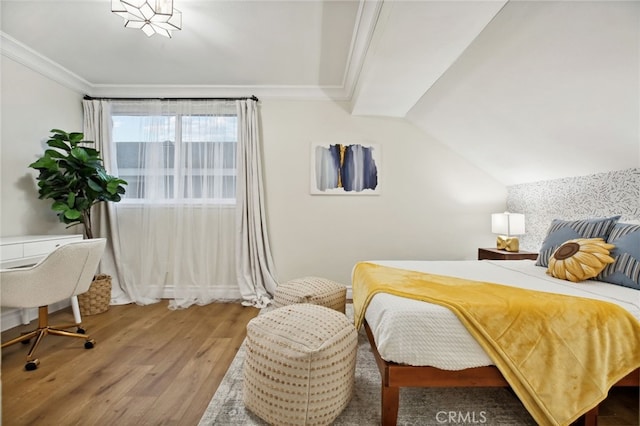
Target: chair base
x,y
43,329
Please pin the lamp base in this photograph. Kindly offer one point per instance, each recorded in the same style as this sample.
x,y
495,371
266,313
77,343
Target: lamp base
x,y
508,243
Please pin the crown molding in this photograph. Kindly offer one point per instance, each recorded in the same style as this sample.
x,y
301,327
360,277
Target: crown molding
x,y
335,93
366,21
23,54
366,18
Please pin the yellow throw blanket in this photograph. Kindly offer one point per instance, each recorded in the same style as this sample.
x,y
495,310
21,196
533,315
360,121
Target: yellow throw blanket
x,y
560,354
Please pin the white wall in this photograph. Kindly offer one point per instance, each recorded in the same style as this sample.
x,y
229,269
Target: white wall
x,y
32,105
549,89
434,205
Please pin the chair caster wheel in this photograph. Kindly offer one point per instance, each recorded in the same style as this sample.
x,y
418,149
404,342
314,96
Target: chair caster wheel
x,y
81,330
31,365
89,344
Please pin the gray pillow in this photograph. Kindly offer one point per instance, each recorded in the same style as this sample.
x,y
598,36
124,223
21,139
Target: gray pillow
x,y
625,271
561,231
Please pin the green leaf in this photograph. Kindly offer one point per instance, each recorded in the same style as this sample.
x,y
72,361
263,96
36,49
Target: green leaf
x,y
79,154
44,163
52,153
71,199
102,174
60,132
59,206
82,204
57,143
94,185
77,137
72,214
68,221
112,186
92,152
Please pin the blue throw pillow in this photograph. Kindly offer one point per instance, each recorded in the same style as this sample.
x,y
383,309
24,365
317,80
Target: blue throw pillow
x,y
625,271
562,231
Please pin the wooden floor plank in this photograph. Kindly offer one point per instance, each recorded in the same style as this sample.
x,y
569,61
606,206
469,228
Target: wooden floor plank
x,y
151,365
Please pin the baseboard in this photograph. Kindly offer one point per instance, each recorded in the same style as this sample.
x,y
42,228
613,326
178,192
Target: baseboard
x,y
12,317
222,293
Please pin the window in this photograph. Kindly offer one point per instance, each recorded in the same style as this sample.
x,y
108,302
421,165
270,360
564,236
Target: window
x,y
176,157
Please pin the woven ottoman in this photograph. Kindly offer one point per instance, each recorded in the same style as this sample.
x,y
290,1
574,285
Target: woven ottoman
x,y
314,290
300,365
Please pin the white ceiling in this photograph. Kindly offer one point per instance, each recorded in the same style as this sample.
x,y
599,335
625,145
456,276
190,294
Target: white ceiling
x,y
280,48
546,79
287,49
414,44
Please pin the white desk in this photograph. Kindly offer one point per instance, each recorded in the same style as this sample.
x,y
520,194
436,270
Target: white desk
x,y
30,249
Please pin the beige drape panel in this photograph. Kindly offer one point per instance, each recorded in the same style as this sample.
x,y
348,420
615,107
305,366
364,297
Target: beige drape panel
x,y
254,263
97,128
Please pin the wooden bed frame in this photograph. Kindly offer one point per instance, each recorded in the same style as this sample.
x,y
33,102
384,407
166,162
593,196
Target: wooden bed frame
x,y
394,376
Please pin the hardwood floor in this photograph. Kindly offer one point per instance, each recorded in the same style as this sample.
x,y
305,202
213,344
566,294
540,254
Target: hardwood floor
x,y
151,366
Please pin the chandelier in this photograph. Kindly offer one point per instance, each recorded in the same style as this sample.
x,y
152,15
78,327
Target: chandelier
x,y
150,16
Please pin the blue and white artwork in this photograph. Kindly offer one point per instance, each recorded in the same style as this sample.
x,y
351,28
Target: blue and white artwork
x,y
345,169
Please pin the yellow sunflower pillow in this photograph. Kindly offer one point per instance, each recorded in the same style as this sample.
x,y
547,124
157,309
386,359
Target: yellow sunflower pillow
x,y
580,259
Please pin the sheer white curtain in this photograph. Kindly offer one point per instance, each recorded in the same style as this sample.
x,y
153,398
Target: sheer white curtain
x,y
192,225
176,225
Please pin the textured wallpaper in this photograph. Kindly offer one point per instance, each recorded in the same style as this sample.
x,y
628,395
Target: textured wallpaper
x,y
599,195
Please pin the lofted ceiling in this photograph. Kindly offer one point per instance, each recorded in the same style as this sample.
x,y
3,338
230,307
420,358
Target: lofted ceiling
x,y
516,87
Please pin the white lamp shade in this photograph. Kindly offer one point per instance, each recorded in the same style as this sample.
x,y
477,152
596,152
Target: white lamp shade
x,y
507,223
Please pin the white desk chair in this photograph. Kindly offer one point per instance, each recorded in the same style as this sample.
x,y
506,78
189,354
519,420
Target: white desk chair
x,y
65,272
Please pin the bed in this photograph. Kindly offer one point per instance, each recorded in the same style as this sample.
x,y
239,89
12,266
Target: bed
x,y
421,344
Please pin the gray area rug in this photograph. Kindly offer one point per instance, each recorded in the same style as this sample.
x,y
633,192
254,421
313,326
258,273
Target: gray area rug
x,y
418,406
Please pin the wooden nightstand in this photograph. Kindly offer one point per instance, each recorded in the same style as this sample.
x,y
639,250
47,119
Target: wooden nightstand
x,y
495,254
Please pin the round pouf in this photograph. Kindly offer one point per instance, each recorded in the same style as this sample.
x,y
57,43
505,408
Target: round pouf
x,y
314,290
300,365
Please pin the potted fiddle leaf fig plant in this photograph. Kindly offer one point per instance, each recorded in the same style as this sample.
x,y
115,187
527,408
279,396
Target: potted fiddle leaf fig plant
x,y
72,174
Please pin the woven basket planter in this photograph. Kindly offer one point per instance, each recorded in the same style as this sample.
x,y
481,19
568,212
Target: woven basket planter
x,y
97,299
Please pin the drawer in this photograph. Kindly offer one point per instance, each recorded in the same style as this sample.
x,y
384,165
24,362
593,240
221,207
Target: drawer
x,y
11,251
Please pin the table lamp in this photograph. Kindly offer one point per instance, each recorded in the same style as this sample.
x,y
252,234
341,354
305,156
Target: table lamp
x,y
506,225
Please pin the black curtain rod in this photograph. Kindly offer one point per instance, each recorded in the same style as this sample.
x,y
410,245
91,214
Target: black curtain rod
x,y
253,98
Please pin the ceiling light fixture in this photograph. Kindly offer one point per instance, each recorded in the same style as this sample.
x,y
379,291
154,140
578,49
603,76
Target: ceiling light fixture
x,y
150,16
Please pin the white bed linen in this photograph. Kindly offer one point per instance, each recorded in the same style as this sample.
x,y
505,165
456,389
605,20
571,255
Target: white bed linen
x,y
412,332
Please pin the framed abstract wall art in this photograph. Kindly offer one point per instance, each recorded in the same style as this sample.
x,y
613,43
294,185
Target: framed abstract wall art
x,y
340,169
